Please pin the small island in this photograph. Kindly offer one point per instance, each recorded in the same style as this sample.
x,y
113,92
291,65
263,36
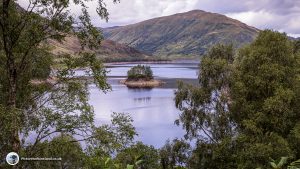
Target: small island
x,y
141,76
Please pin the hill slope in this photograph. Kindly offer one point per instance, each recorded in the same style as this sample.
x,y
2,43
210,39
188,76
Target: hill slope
x,y
182,34
109,50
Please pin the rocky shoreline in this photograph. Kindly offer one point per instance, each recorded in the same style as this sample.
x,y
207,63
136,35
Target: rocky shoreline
x,y
142,83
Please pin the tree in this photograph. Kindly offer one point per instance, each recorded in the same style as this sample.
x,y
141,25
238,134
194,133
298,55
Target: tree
x,y
30,100
245,108
265,97
108,140
65,147
175,154
213,155
205,106
205,110
148,154
140,72
113,138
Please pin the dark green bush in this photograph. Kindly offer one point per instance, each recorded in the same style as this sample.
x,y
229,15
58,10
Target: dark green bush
x,y
140,72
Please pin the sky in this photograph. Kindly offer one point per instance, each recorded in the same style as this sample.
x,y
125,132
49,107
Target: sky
x,y
281,15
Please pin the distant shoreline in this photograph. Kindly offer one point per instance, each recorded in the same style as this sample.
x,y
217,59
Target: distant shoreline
x,y
153,62
183,61
136,62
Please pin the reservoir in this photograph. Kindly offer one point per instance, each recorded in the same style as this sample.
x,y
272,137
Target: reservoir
x,y
153,110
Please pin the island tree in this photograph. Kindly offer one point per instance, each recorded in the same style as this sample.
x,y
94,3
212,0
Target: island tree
x,y
140,72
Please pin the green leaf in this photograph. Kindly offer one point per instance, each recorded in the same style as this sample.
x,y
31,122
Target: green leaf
x,y
282,162
129,166
139,157
139,162
107,161
117,166
294,165
273,165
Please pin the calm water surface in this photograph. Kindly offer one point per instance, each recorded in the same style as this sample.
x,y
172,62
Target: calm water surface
x,y
153,110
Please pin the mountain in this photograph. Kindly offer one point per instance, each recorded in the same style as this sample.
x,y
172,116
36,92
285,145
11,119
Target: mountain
x,y
109,50
182,34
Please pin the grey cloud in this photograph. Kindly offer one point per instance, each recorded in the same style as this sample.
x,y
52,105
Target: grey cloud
x,y
131,11
282,15
231,6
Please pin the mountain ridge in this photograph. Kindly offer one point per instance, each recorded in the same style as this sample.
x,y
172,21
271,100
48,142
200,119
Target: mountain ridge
x,y
192,11
188,33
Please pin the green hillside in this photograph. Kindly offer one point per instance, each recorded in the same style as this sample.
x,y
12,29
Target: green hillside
x,y
183,34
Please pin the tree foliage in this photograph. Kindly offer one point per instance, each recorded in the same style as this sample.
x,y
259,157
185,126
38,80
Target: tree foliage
x,y
265,97
140,72
205,107
175,154
36,101
245,109
139,151
63,146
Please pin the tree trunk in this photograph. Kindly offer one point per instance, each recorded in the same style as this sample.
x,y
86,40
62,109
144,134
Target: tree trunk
x,y
12,106
12,97
12,78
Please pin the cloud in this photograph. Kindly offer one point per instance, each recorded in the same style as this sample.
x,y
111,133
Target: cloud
x,y
289,22
281,15
132,11
261,19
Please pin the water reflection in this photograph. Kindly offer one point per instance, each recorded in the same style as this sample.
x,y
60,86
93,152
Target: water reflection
x,y
142,99
153,110
134,89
